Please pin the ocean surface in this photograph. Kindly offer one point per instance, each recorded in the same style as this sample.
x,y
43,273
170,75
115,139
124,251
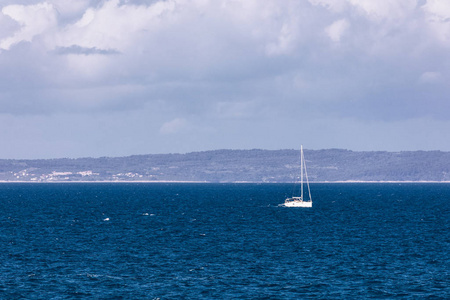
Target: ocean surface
x,y
223,241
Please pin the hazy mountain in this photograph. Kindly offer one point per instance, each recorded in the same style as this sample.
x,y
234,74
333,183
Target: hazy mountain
x,y
238,165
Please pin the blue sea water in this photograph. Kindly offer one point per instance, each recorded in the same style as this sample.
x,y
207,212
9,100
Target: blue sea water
x,y
223,241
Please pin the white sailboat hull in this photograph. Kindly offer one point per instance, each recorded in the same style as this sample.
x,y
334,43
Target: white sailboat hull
x,y
297,203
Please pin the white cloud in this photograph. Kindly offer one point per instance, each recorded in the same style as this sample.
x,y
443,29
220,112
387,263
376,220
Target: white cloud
x,y
383,10
236,110
430,77
173,126
438,15
284,43
439,10
113,25
380,10
33,19
187,43
333,5
86,19
336,30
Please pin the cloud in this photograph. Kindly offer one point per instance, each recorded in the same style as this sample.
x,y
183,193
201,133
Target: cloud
x,y
336,30
227,52
393,10
437,19
173,126
33,19
226,64
438,10
75,49
69,10
335,6
430,77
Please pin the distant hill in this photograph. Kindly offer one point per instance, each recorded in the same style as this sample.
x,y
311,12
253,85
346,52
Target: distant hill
x,y
237,166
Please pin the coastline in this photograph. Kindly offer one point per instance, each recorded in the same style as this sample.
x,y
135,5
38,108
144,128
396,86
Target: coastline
x,y
230,182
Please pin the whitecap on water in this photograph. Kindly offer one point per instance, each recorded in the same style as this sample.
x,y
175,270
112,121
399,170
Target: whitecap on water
x,y
147,214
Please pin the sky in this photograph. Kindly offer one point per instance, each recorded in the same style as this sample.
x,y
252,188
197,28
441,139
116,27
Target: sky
x,y
116,78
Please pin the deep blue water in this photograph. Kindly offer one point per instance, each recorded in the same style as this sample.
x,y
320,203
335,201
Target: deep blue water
x,y
224,241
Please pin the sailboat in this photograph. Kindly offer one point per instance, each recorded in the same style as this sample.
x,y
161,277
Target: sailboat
x,y
299,201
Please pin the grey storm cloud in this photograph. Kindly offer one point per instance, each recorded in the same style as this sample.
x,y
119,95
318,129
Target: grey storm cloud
x,y
75,49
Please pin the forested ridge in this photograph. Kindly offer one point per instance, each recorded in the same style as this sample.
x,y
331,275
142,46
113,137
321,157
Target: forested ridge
x,y
236,166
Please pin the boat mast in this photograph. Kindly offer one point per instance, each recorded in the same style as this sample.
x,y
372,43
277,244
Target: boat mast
x,y
301,168
306,175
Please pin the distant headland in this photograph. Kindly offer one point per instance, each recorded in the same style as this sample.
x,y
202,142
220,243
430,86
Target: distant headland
x,y
259,166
